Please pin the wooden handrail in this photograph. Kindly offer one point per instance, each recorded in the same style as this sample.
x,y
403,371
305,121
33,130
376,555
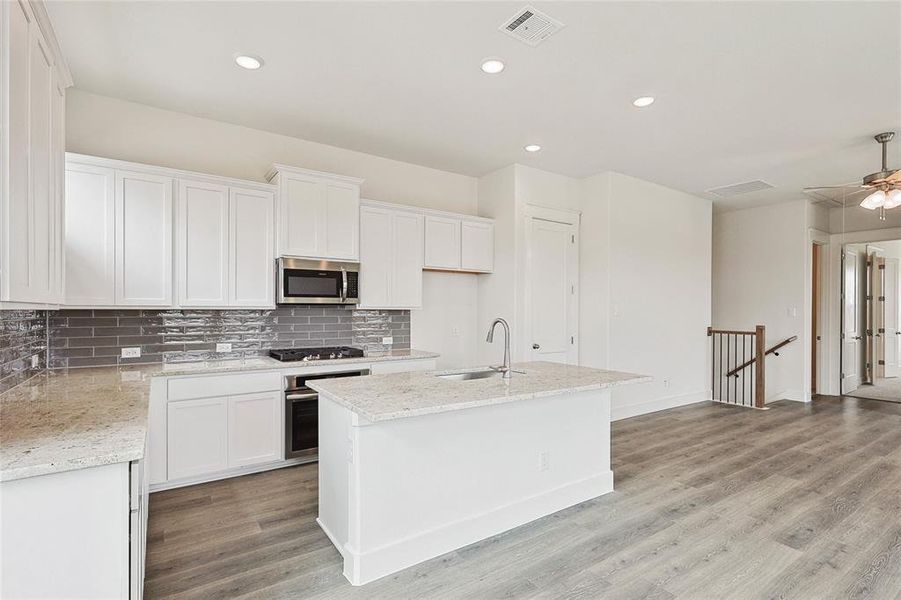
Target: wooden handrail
x,y
711,331
772,350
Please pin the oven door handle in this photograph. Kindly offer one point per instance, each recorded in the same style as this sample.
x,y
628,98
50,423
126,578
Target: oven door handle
x,y
343,285
305,396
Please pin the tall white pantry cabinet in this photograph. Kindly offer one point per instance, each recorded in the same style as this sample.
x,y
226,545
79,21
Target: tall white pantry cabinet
x,y
34,78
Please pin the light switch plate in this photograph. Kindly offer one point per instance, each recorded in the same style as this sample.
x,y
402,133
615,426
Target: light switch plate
x,y
131,353
226,347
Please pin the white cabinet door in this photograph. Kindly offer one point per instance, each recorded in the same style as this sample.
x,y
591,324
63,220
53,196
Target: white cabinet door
x,y
477,246
202,243
442,242
251,248
90,235
254,429
197,437
41,163
143,239
406,281
375,257
342,222
301,217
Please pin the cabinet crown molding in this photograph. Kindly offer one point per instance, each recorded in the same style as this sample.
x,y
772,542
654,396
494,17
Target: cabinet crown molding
x,y
282,168
123,165
425,211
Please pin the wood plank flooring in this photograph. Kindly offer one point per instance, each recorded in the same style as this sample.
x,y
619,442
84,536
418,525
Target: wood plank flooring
x,y
711,502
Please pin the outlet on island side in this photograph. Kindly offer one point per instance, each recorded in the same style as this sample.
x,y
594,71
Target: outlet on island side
x,y
544,460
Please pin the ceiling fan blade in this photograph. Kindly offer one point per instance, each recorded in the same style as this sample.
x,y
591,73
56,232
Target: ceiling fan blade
x,y
894,177
834,187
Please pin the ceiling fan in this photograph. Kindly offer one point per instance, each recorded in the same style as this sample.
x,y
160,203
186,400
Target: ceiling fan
x,y
884,186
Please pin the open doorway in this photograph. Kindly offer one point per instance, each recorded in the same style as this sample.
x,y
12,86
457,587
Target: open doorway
x,y
816,287
871,339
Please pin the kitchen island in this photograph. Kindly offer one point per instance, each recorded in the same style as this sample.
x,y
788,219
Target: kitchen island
x,y
413,465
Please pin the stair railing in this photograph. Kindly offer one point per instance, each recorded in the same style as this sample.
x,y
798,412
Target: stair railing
x,y
730,349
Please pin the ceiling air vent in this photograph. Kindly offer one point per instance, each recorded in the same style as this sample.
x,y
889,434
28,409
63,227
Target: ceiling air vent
x,y
531,26
727,191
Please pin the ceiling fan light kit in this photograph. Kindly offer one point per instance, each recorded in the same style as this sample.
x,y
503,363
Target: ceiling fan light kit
x,y
886,183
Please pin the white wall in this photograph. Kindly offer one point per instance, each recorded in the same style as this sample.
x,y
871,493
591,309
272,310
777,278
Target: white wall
x,y
103,126
646,289
759,275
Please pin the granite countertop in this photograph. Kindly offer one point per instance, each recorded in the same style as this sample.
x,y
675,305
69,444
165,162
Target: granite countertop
x,y
68,419
400,395
73,419
266,363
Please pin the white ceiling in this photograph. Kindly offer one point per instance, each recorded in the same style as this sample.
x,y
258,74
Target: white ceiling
x,y
787,92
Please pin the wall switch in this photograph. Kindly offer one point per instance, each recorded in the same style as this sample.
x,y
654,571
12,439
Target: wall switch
x,y
226,347
666,383
35,361
544,460
387,340
131,353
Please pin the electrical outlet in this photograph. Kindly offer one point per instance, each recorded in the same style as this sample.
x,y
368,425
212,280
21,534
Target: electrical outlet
x,y
455,331
666,383
35,361
387,340
131,353
544,460
226,347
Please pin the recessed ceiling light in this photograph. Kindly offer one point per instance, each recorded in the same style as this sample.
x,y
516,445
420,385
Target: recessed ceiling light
x,y
249,62
643,101
492,66
532,148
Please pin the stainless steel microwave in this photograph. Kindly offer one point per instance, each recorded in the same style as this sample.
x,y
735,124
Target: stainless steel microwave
x,y
305,281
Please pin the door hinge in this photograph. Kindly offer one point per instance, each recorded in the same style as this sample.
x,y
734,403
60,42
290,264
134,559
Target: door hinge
x,y
882,298
881,362
573,238
881,267
572,339
572,289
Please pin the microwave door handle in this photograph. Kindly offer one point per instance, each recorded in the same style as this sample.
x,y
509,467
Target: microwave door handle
x,y
343,285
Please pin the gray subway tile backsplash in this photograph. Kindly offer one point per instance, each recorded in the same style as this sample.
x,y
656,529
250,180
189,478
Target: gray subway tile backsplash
x,y
95,337
23,334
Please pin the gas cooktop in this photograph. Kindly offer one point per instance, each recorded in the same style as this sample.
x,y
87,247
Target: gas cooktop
x,y
306,354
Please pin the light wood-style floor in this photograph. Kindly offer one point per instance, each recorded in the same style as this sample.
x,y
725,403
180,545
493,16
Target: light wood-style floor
x,y
711,502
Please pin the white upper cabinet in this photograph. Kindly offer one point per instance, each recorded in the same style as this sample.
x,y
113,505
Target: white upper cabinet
x,y
390,258
31,138
202,249
477,246
251,251
318,213
143,239
442,242
459,243
90,235
127,224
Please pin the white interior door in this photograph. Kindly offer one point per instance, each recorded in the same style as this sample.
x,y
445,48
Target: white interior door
x,y
552,269
851,322
892,335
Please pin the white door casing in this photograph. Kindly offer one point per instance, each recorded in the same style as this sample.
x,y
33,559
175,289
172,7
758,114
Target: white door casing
x,y
892,334
852,330
552,276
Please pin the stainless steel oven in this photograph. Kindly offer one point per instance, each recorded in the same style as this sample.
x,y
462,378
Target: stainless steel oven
x,y
302,413
305,281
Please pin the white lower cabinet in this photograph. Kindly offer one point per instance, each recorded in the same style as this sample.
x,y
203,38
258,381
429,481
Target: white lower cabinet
x,y
198,437
254,429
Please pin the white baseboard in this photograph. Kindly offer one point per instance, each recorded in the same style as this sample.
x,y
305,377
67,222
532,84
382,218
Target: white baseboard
x,y
361,568
619,412
793,395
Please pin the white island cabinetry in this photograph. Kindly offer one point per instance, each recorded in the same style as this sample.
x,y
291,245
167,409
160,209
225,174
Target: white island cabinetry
x,y
413,465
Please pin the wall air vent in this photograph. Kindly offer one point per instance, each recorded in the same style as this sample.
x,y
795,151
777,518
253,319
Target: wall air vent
x,y
728,191
531,26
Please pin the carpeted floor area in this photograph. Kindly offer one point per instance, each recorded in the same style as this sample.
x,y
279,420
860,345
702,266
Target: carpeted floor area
x,y
888,390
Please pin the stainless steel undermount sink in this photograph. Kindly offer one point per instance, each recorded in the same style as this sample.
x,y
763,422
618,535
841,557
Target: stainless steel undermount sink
x,y
467,375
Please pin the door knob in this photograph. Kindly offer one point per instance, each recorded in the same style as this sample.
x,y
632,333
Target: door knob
x,y
536,346
856,337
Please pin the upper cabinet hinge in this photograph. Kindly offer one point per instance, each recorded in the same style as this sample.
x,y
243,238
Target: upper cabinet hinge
x,y
574,238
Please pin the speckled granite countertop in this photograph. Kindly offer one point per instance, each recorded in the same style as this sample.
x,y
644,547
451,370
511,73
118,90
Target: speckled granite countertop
x,y
72,419
77,418
400,395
